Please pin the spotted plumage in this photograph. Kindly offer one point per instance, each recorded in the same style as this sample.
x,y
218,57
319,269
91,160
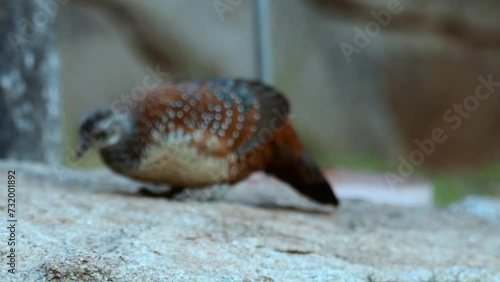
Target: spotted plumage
x,y
196,133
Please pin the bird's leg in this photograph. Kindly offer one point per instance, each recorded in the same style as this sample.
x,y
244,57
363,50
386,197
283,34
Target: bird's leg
x,y
207,194
169,194
221,192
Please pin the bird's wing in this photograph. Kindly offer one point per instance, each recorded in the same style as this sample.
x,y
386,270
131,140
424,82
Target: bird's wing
x,y
233,115
256,112
268,112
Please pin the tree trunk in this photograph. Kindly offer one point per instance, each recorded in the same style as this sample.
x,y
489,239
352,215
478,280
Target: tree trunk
x,y
29,87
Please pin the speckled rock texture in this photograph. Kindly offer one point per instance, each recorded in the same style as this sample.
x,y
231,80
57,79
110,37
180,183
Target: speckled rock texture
x,y
91,226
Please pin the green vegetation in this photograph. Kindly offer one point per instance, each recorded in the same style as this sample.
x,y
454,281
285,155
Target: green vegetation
x,y
449,188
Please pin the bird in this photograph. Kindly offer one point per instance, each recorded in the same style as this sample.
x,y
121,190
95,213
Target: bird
x,y
196,133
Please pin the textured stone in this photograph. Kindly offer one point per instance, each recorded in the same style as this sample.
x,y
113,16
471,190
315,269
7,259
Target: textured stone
x,y
91,226
485,207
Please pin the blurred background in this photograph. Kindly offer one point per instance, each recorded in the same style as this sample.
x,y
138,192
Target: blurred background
x,y
368,80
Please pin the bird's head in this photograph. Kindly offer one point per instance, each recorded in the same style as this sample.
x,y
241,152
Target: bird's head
x,y
101,128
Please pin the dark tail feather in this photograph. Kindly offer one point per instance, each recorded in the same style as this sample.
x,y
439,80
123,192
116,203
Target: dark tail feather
x,y
302,173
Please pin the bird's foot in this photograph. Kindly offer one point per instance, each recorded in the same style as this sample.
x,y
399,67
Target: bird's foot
x,y
209,194
148,192
214,193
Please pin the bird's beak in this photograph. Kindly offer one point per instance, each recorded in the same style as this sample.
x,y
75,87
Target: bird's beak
x,y
82,147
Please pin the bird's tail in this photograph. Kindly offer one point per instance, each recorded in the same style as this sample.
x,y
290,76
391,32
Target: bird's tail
x,y
303,174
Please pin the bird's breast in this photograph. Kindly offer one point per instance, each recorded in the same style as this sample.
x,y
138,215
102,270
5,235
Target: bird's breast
x,y
176,159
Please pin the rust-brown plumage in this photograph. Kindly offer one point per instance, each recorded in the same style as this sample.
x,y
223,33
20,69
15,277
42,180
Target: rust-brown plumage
x,y
197,133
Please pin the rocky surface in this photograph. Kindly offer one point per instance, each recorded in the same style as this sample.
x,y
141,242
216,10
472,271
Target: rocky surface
x,y
485,207
91,226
